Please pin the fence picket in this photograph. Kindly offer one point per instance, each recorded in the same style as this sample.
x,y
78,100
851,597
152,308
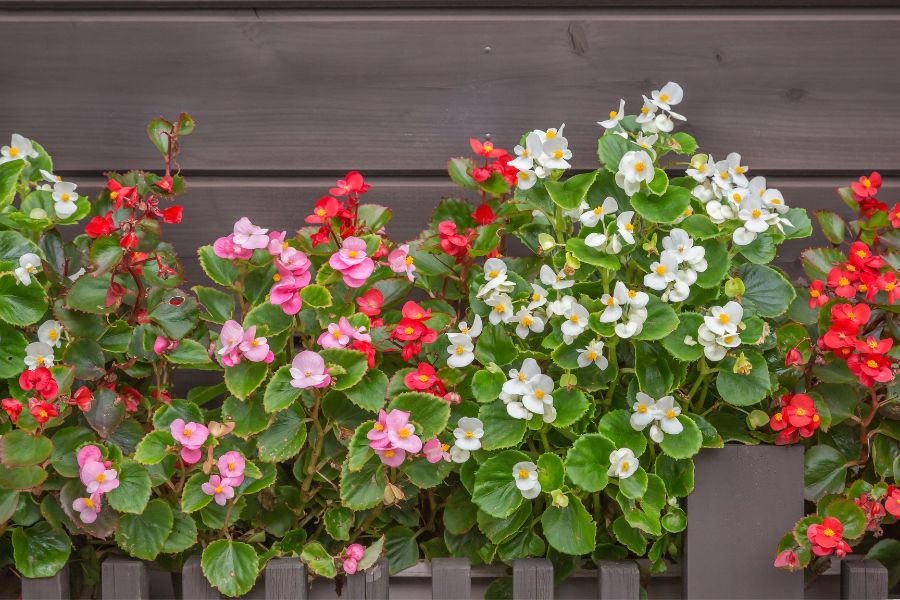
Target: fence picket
x,y
371,584
863,579
451,579
194,584
55,587
285,579
532,579
125,579
618,580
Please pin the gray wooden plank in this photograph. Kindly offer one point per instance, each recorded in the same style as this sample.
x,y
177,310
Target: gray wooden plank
x,y
532,579
759,490
371,584
194,584
618,580
285,579
451,579
863,579
407,89
124,579
55,587
419,4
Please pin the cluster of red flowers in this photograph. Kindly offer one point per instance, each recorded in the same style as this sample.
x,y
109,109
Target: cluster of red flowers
x,y
875,511
865,191
330,207
41,406
861,273
499,164
847,338
797,418
454,243
412,330
425,379
827,538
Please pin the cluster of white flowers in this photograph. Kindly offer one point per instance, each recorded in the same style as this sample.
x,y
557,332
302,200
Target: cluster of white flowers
x,y
592,217
727,194
19,147
677,267
661,415
543,152
525,474
529,392
29,264
627,308
40,353
650,120
63,192
468,434
462,343
622,463
719,331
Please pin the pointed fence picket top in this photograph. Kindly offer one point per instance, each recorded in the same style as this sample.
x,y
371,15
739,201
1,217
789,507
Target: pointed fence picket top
x,y
124,578
55,587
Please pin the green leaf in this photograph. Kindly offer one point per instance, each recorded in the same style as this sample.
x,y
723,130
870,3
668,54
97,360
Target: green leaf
x,y
279,392
88,294
19,449
22,478
87,357
699,227
688,325
12,351
674,521
231,567
363,489
13,244
216,306
9,177
571,529
591,256
134,488
627,535
655,369
570,404
249,415
611,148
106,253
176,314
40,550
760,251
487,385
635,486
616,427
284,437
338,521
825,472
183,535
687,443
371,391
717,262
142,536
665,208
588,460
245,377
800,227
189,352
460,512
551,471
65,443
354,364
429,412
318,560
315,296
401,548
495,489
661,320
21,304
193,498
158,130
359,452
766,290
660,182
495,346
832,225
572,192
425,475
887,552
678,475
505,431
682,143
218,269
743,390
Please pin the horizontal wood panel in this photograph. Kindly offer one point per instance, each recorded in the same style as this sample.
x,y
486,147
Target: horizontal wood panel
x,y
211,206
306,92
418,4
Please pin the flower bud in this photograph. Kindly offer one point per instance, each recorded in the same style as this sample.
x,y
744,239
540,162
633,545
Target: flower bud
x,y
560,500
546,242
452,398
572,264
567,380
734,287
757,419
742,366
37,213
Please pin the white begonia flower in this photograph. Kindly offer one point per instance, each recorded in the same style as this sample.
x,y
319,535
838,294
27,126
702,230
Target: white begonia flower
x,y
520,380
461,350
526,322
721,178
773,200
50,333
667,414
539,396
458,455
593,353
591,217
525,179
551,134
557,281
662,272
645,411
595,240
614,303
501,309
704,192
614,116
699,170
724,319
625,227
517,410
526,477
633,324
556,154
576,321
538,297
622,463
50,177
473,330
38,354
558,308
19,147
64,198
679,243
737,171
670,95
494,276
468,434
711,349
646,142
525,156
656,433
635,167
719,213
647,112
29,264
575,213
664,123
735,197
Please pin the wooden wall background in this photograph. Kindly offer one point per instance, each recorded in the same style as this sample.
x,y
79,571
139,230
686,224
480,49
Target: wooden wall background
x,y
290,94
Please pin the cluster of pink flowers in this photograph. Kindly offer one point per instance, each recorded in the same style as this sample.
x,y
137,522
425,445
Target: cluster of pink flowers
x,y
246,238
191,436
97,478
339,335
238,343
400,261
351,556
393,436
293,275
352,262
308,370
231,474
436,451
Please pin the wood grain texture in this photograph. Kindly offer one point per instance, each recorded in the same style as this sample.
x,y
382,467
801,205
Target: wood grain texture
x,y
194,584
418,4
618,580
285,579
55,587
371,584
392,91
532,579
451,579
124,579
863,579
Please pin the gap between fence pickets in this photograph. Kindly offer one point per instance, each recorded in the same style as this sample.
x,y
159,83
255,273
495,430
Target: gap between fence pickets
x,y
861,579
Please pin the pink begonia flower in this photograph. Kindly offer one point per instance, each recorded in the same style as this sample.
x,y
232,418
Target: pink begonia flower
x,y
89,453
218,489
435,451
339,334
378,436
276,242
351,557
88,508
224,247
308,370
191,436
164,344
231,336
255,349
401,262
248,236
295,263
97,478
352,262
392,457
231,467
787,559
401,432
286,293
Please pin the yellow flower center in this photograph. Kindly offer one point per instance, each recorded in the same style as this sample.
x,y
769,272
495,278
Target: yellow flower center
x,y
276,277
779,416
13,152
378,427
670,414
231,466
423,378
352,253
642,408
663,97
843,281
592,355
724,318
613,114
460,350
254,343
629,227
644,110
756,213
527,321
551,134
660,270
521,376
610,301
101,477
598,211
535,297
52,335
113,195
573,318
188,432
408,260
632,294
408,331
727,339
558,154
65,198
523,175
828,531
871,364
388,453
639,167
523,474
815,293
801,412
469,434
867,183
404,433
336,334
539,394
445,447
218,489
39,360
739,170
500,308
321,212
493,273
89,503
624,466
